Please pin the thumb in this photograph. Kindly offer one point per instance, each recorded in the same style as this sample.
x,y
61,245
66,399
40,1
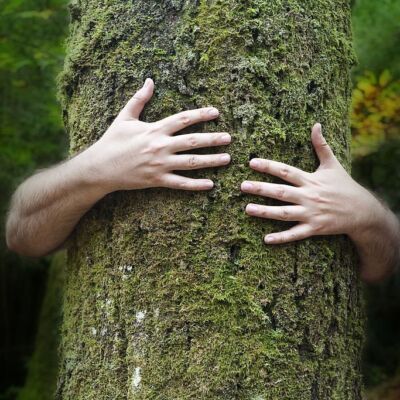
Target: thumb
x,y
135,105
323,150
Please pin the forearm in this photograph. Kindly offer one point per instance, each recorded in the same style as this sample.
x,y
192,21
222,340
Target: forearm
x,y
46,207
131,155
378,245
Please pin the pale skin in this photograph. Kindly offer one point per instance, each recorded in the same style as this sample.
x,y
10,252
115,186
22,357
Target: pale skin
x,y
130,155
328,202
134,155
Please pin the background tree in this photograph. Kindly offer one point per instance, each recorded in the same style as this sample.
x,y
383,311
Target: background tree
x,y
42,375
376,28
31,135
376,146
172,294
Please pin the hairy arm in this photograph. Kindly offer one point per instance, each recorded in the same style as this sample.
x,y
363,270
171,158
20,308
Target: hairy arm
x,y
47,206
329,202
130,155
378,243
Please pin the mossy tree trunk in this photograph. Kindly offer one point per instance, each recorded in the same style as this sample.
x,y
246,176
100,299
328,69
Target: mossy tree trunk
x,y
42,374
173,295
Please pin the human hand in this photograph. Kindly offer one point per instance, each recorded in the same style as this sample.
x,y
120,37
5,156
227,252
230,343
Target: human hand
x,y
326,202
135,155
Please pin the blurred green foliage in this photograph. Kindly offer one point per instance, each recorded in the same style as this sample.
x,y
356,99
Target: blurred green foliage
x,y
380,171
376,26
376,146
31,136
43,366
375,116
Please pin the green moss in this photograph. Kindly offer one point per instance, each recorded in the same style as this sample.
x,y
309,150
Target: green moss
x,y
225,317
43,367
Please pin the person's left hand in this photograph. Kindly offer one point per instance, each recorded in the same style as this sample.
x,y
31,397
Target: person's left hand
x,y
326,202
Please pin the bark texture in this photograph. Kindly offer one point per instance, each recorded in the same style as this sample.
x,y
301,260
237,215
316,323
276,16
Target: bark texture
x,y
173,295
42,374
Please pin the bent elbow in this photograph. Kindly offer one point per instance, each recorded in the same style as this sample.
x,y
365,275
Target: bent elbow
x,y
25,251
11,240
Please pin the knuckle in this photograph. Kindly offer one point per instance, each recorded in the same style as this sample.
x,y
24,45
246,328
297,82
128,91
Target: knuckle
x,y
317,226
258,188
280,193
316,198
292,237
284,214
284,172
211,162
321,224
324,144
156,147
138,98
156,162
193,142
184,120
153,128
158,181
214,139
265,165
193,161
187,185
203,113
312,179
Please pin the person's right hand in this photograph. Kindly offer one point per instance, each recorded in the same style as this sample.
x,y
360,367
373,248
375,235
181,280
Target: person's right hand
x,y
135,155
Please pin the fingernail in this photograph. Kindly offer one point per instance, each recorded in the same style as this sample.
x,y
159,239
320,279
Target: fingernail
x,y
225,158
213,112
269,239
247,186
147,82
255,163
251,208
319,128
209,184
226,139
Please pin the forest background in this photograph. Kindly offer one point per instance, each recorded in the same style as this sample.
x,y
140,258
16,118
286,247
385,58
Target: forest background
x,y
32,38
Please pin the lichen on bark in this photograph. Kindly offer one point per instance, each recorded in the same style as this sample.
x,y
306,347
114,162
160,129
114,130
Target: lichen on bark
x,y
42,373
173,295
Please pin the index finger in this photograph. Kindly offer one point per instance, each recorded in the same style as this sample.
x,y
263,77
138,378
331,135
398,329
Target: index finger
x,y
182,120
286,172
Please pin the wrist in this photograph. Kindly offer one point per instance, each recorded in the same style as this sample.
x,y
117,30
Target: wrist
x,y
374,221
368,216
378,246
86,167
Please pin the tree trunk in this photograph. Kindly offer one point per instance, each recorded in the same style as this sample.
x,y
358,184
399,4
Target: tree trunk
x,y
173,295
41,380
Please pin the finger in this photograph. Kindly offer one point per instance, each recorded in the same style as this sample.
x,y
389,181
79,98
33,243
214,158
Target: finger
x,y
196,161
283,171
174,181
323,150
135,105
182,120
199,140
285,193
285,213
298,232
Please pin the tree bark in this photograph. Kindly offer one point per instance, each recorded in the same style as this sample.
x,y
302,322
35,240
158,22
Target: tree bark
x,y
41,380
173,295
